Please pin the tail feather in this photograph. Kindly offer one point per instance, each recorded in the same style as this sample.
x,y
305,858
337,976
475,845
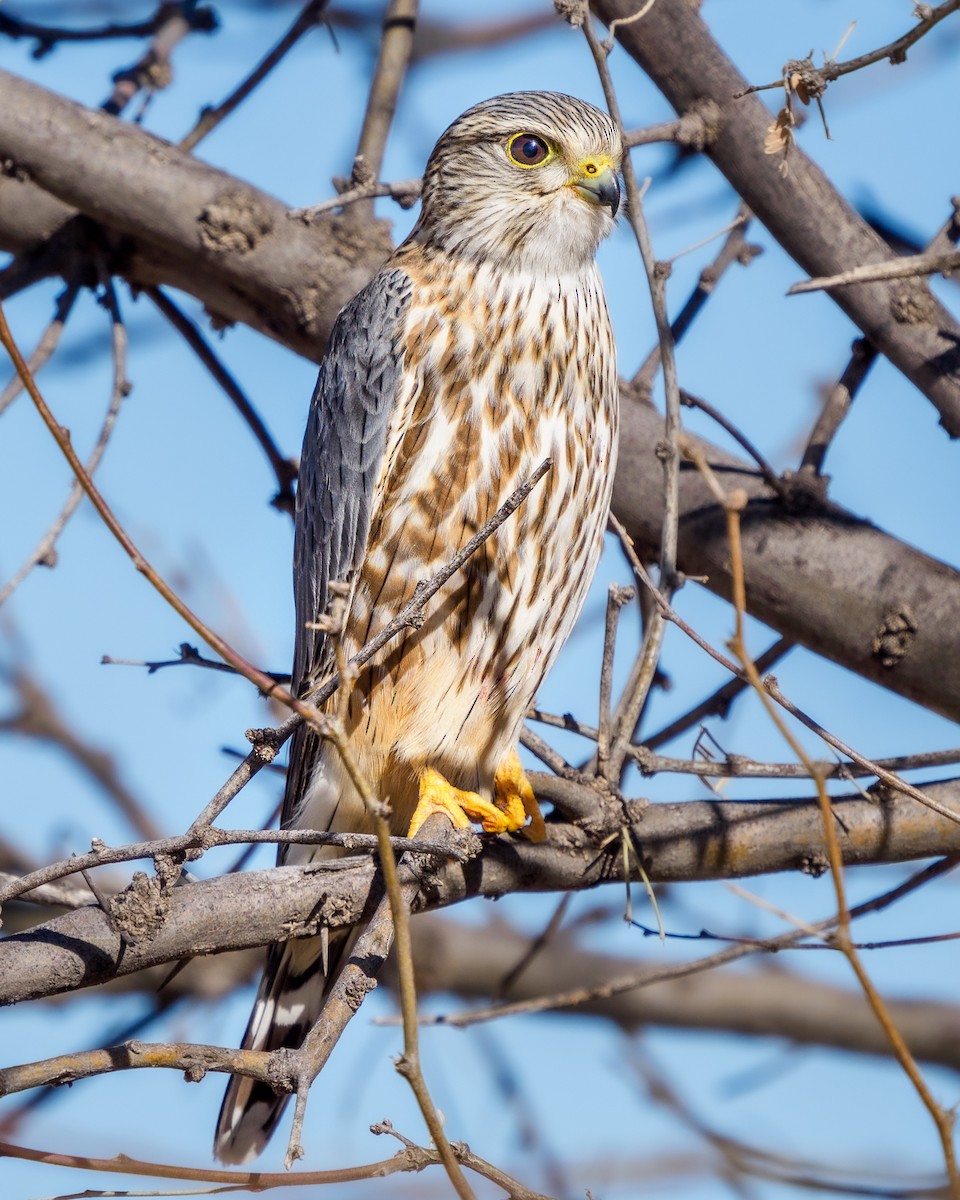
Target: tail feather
x,y
288,1004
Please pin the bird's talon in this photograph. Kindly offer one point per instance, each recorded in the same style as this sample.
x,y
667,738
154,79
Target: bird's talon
x,y
437,795
514,796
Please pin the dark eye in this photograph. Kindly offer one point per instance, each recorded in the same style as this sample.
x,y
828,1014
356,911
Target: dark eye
x,y
528,150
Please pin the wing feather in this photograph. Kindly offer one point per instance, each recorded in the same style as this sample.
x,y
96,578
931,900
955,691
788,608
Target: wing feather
x,y
343,448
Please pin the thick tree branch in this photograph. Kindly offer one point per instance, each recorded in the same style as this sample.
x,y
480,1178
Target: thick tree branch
x,y
818,575
679,842
468,961
171,219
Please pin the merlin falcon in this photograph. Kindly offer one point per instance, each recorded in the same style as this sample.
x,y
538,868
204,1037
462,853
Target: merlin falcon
x,y
482,347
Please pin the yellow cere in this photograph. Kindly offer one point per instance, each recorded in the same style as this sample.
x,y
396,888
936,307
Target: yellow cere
x,y
590,168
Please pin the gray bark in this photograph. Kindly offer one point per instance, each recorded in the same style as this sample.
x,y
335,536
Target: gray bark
x,y
679,842
819,575
171,219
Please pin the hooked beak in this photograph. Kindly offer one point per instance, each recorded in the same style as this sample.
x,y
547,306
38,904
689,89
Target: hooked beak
x,y
598,184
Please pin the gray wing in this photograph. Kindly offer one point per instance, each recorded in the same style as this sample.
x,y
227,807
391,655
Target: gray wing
x,y
343,449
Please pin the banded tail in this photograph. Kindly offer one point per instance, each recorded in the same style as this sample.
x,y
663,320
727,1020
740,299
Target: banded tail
x,y
291,995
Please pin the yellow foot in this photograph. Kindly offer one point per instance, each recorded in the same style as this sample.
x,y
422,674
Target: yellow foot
x,y
439,796
514,797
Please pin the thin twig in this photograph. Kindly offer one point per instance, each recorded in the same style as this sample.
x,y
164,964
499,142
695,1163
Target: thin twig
x,y
733,504
657,273
408,1065
284,469
735,249
406,192
210,118
769,475
617,597
836,406
718,704
404,1160
615,24
897,268
45,347
189,656
547,755
45,550
895,51
396,44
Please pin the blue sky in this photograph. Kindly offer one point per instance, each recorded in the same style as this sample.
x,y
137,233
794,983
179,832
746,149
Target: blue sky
x,y
191,486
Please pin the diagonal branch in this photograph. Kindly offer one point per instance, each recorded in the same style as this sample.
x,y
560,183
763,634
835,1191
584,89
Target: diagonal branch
x,y
802,209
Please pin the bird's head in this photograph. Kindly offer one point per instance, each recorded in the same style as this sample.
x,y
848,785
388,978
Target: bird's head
x,y
528,181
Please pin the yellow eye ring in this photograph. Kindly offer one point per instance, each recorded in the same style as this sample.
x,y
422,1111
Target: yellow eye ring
x,y
529,150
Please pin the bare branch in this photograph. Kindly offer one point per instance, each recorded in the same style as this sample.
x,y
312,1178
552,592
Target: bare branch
x,y
396,45
284,470
895,52
802,210
47,36
687,841
154,69
309,16
904,267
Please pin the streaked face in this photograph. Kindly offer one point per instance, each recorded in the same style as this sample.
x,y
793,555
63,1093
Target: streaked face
x,y
529,179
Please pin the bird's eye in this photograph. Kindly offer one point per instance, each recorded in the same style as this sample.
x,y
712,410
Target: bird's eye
x,y
528,150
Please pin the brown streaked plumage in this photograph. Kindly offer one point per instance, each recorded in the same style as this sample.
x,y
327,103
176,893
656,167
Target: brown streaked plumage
x,y
482,347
